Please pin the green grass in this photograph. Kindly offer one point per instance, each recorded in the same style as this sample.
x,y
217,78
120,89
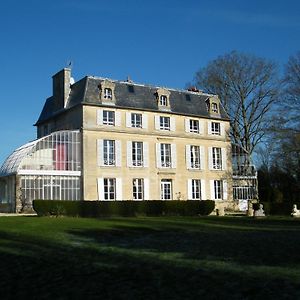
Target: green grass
x,y
149,258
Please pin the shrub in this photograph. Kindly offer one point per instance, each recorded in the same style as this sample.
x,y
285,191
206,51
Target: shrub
x,y
94,209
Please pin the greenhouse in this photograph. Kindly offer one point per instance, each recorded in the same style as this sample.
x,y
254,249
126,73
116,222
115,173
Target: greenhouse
x,y
47,168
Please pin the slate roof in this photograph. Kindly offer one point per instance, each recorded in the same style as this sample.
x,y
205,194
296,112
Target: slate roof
x,y
131,95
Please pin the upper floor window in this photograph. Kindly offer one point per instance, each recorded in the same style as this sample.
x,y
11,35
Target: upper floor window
x,y
216,158
137,154
164,123
136,120
215,128
194,126
138,189
108,117
163,100
214,107
109,154
195,157
165,155
107,93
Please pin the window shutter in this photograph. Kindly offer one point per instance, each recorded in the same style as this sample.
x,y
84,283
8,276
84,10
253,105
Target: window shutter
x,y
173,155
225,190
212,190
189,189
188,156
172,124
100,183
146,189
128,119
222,128
203,191
158,160
210,160
117,118
129,154
146,154
100,117
118,153
100,152
224,160
187,125
209,127
118,188
156,122
144,121
201,127
202,158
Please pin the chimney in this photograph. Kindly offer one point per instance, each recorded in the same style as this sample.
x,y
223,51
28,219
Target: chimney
x,y
61,87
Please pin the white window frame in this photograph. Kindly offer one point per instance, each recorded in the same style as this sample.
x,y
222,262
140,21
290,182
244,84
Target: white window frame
x,y
165,155
214,107
196,189
138,189
166,187
164,123
109,152
195,157
137,154
218,190
194,126
215,128
109,189
108,117
107,93
216,158
163,100
135,123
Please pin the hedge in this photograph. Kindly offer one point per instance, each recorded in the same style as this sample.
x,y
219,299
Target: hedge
x,y
96,209
279,209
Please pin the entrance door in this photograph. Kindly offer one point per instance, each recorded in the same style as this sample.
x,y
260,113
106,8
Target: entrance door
x,y
166,189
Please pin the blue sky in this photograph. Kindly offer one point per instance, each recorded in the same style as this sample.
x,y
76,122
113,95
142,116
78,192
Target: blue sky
x,y
155,42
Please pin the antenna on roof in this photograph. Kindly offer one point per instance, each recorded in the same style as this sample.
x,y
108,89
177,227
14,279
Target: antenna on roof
x,y
129,79
70,64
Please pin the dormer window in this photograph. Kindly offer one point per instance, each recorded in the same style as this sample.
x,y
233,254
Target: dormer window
x,y
163,100
107,93
214,108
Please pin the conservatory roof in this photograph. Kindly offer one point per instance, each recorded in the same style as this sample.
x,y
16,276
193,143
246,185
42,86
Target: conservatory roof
x,y
12,163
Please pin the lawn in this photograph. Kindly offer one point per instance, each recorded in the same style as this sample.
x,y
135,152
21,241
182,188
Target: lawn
x,y
149,258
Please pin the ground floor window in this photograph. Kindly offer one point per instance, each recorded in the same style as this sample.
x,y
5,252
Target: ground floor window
x,y
166,189
196,189
218,189
138,188
109,188
243,192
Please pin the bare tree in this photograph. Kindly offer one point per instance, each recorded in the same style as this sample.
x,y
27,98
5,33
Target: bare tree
x,y
247,86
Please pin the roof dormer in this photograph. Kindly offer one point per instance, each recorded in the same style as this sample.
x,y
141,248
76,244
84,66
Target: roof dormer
x,y
107,92
163,99
213,106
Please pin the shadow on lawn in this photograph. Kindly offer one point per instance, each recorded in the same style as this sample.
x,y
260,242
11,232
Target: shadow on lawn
x,y
133,262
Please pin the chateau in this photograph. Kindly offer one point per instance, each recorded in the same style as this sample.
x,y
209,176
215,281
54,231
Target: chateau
x,y
102,139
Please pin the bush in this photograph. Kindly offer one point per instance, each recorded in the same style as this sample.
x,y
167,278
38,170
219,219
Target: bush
x,y
94,209
279,209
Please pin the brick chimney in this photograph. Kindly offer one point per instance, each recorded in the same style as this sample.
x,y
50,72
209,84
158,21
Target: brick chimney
x,y
61,88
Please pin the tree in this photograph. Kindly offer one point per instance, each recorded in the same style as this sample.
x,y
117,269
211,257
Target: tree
x,y
247,86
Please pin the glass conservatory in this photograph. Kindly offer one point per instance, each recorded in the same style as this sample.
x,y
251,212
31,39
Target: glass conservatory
x,y
47,168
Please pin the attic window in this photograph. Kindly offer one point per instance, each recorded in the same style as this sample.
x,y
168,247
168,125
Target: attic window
x,y
163,100
214,107
107,93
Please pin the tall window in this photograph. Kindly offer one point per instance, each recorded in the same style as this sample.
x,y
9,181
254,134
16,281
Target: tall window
x,y
136,120
214,107
194,126
109,188
163,100
165,155
166,189
195,157
137,154
107,93
138,188
215,128
216,158
108,117
164,123
109,156
218,189
196,189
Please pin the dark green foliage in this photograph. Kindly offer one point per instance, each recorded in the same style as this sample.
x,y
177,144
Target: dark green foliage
x,y
96,209
279,209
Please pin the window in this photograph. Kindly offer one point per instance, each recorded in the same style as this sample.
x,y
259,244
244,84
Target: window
x,y
196,189
195,157
138,189
164,123
166,189
108,117
165,155
136,120
109,188
214,107
109,153
194,126
215,128
107,93
218,189
137,154
163,100
216,158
